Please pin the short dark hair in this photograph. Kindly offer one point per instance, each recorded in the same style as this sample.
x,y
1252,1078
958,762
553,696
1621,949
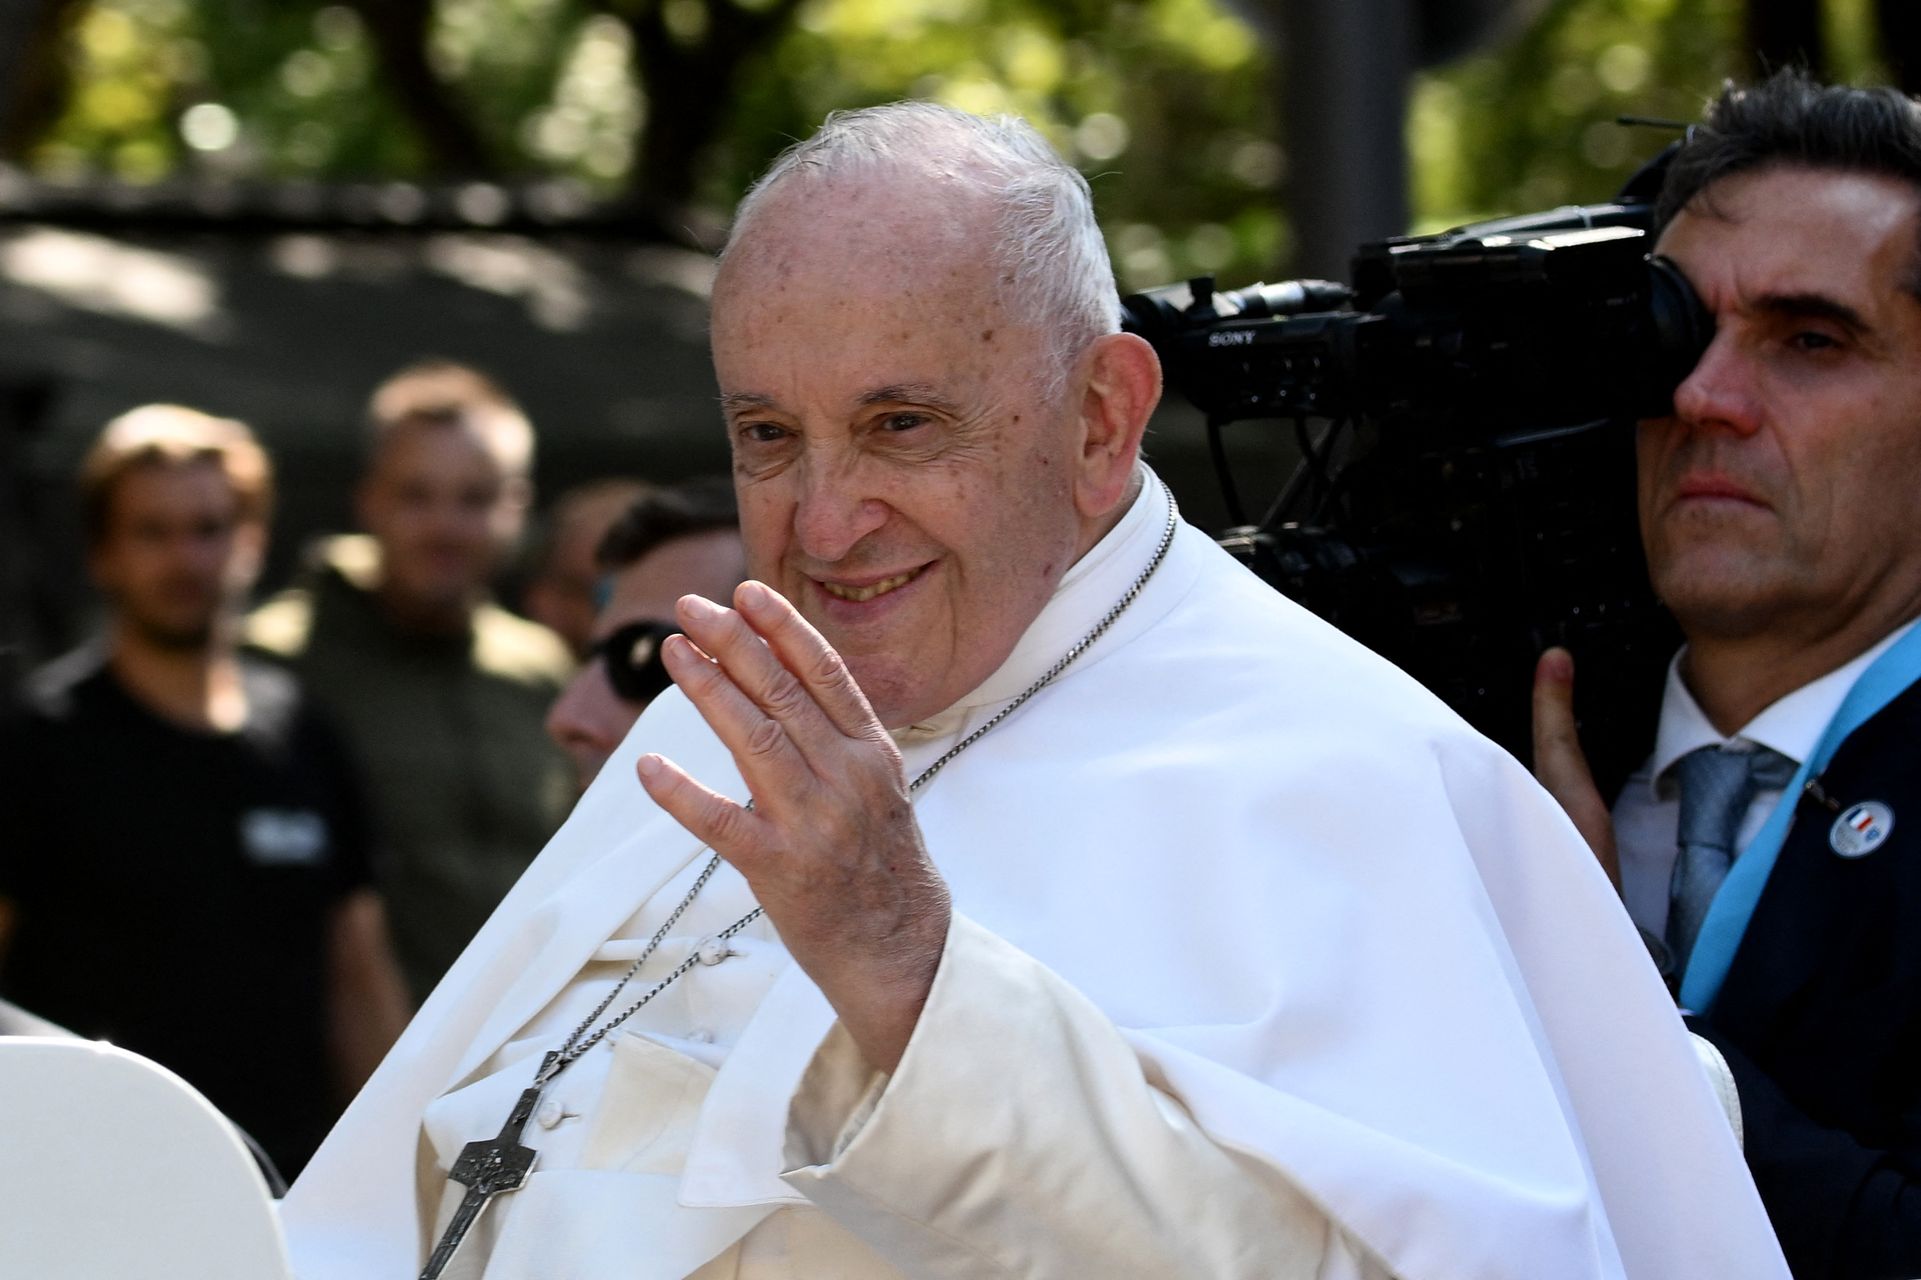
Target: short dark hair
x,y
704,504
1792,119
438,393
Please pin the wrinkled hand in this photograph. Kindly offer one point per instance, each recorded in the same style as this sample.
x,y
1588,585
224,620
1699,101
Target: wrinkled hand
x,y
1561,765
831,848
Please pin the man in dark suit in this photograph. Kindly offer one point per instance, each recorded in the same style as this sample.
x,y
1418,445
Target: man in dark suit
x,y
1770,848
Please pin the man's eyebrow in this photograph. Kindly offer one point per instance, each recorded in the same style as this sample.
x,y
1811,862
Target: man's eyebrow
x,y
735,401
1813,306
908,393
893,393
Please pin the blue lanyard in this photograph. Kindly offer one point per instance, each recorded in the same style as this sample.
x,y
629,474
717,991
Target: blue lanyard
x,y
1733,906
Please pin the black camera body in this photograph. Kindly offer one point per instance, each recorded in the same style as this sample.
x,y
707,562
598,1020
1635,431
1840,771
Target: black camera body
x,y
1464,411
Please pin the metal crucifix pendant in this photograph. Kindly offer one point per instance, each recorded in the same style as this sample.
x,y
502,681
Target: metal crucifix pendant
x,y
488,1168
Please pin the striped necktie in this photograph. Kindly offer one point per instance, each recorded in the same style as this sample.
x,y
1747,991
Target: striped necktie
x,y
1717,785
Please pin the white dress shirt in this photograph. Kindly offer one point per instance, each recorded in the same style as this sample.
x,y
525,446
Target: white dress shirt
x,y
1647,815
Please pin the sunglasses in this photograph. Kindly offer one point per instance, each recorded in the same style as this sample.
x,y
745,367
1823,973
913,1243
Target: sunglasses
x,y
632,657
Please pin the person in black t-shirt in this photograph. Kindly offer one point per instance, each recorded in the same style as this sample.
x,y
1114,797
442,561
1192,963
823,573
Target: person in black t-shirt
x,y
183,852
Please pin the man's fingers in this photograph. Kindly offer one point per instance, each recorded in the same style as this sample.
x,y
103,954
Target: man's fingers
x,y
806,653
1557,742
780,695
729,829
1561,765
760,745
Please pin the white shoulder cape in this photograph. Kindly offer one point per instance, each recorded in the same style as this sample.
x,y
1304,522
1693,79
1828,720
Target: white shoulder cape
x,y
1352,937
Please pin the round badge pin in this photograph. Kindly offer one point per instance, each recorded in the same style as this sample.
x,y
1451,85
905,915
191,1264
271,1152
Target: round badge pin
x,y
1861,828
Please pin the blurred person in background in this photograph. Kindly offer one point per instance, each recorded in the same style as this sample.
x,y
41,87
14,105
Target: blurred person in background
x,y
562,568
440,691
185,851
683,540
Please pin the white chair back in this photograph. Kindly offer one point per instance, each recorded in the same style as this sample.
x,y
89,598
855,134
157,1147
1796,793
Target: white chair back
x,y
112,1167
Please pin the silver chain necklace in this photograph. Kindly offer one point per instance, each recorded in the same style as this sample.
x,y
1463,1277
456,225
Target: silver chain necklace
x,y
500,1164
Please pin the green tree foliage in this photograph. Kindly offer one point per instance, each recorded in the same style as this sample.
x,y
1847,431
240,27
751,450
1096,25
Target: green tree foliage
x,y
1168,105
1165,104
1530,123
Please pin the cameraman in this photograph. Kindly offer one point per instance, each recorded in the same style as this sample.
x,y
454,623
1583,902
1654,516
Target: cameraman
x,y
1778,510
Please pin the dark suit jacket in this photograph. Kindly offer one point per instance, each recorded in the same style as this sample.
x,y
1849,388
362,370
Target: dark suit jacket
x,y
1820,1019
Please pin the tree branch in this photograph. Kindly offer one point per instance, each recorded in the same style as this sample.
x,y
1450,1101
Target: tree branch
x,y
35,81
401,29
689,90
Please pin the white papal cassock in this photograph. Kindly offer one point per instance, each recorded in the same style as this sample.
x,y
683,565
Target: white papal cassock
x,y
1263,965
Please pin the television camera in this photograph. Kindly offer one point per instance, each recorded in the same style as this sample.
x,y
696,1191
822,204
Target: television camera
x,y
1463,411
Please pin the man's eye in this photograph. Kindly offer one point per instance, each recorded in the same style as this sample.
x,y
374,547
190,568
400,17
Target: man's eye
x,y
1813,340
904,421
761,432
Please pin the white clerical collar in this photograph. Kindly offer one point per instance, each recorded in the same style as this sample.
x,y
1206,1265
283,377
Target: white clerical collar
x,y
1791,724
1091,586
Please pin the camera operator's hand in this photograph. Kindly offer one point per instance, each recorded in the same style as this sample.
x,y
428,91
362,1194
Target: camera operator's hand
x,y
1562,766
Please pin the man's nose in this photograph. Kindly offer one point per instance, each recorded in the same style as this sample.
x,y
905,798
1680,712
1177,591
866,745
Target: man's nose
x,y
1720,392
832,511
570,722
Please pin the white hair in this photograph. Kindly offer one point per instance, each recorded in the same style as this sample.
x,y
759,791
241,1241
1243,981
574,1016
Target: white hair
x,y
1053,260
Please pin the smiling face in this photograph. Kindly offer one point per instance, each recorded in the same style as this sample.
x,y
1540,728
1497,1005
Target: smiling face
x,y
1779,497
903,478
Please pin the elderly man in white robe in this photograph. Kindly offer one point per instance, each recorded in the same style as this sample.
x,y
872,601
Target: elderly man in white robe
x,y
1015,886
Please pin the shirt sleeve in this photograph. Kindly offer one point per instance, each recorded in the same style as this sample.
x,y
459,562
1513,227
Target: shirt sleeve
x,y
1022,1136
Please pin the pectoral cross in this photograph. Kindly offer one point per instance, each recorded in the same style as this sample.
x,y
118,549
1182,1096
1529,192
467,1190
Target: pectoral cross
x,y
488,1168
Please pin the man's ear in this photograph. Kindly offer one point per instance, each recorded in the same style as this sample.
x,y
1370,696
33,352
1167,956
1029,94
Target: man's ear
x,y
249,554
516,500
518,489
1123,384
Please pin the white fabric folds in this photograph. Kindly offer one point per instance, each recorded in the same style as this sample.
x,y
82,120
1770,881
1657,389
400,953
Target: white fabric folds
x,y
1241,908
